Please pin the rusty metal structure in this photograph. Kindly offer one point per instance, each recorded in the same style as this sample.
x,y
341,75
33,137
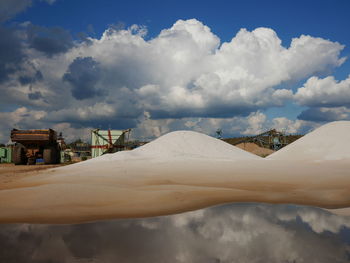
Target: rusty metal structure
x,y
271,139
108,141
34,144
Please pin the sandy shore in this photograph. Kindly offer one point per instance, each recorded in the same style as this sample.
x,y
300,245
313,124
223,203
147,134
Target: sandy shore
x,y
148,188
10,173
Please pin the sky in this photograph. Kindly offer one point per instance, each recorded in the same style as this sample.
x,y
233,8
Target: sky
x,y
156,66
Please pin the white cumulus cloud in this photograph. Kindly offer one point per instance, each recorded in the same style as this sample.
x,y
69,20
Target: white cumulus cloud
x,y
183,75
324,92
185,71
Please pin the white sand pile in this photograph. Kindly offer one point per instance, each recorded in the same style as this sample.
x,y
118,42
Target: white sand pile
x,y
185,145
183,171
329,142
189,144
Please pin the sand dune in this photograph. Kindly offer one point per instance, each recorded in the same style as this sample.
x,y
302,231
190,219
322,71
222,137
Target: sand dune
x,y
178,172
329,142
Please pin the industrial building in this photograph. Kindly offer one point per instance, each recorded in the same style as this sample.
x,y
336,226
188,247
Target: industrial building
x,y
108,141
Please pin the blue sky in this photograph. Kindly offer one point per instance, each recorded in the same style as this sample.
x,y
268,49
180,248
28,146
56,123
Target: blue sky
x,y
48,34
325,18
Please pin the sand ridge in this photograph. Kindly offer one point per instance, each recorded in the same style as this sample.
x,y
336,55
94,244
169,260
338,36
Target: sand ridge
x,y
178,172
329,142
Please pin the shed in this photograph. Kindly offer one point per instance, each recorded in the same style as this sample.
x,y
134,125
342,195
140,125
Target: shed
x,y
107,141
6,154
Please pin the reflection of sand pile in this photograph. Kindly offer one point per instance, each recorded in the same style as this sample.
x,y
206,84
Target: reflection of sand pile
x,y
178,172
329,142
254,148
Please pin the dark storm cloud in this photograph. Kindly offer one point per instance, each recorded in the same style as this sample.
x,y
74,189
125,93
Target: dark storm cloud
x,y
50,41
229,233
9,8
215,111
314,114
11,54
35,95
28,79
325,114
83,74
83,37
104,123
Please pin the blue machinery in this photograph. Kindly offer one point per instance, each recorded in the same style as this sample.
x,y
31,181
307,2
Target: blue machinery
x,y
271,139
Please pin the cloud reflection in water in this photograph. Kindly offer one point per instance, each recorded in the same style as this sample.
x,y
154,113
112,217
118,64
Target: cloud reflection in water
x,y
227,233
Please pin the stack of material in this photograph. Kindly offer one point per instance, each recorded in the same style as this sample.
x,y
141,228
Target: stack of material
x,y
189,144
329,142
179,145
183,171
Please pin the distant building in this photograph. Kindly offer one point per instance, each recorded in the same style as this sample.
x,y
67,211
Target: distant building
x,y
6,154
